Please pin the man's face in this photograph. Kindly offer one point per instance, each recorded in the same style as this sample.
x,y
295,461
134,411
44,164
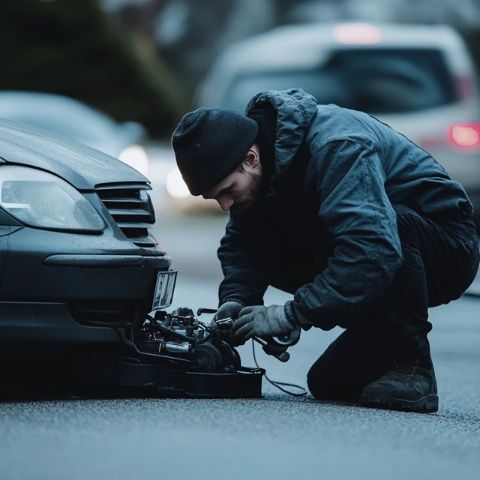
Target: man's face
x,y
239,190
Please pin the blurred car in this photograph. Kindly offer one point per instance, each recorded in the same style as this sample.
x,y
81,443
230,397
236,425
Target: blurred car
x,y
418,79
65,117
77,258
180,200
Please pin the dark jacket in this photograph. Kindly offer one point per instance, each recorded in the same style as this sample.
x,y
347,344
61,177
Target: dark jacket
x,y
328,206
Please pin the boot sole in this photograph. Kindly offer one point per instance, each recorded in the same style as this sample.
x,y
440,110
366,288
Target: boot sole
x,y
426,404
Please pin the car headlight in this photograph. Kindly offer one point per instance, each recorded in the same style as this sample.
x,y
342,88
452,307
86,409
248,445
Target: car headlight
x,y
40,199
136,157
175,185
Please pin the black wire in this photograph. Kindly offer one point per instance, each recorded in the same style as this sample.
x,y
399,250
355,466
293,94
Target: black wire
x,y
278,384
170,331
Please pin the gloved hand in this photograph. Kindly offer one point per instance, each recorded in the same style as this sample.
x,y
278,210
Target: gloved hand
x,y
260,321
229,309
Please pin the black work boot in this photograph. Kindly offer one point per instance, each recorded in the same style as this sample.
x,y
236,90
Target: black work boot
x,y
408,386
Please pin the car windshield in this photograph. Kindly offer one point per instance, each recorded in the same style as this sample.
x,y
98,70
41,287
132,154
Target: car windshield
x,y
374,81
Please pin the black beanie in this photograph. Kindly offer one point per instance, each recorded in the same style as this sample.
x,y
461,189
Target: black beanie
x,y
209,144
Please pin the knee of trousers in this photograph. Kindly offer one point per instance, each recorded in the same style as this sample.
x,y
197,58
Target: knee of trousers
x,y
323,386
313,382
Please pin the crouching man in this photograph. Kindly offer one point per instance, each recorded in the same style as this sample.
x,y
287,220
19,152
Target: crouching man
x,y
365,228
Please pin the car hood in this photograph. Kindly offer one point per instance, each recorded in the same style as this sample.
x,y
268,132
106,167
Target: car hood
x,y
83,167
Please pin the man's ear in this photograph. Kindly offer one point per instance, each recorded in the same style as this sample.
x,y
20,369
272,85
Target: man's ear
x,y
252,158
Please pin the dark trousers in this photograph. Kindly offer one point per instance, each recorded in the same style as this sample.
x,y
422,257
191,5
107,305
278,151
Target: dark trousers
x,y
440,260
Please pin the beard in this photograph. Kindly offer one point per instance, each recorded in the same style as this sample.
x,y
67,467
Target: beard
x,y
252,187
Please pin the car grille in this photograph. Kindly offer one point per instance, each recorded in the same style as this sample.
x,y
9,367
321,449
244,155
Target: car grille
x,y
132,209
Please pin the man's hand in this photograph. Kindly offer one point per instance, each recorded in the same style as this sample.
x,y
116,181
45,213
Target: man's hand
x,y
260,321
227,310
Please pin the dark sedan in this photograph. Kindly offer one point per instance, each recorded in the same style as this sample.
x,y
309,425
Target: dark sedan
x,y
76,254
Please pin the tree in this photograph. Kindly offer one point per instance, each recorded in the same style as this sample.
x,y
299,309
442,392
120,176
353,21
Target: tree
x,y
70,47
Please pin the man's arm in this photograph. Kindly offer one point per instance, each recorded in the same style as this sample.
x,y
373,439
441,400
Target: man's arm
x,y
240,254
366,247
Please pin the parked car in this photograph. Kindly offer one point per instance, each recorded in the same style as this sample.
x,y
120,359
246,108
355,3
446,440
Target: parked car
x,y
77,258
418,79
65,117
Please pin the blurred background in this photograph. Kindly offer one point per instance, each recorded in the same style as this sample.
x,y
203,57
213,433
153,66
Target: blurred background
x,y
119,75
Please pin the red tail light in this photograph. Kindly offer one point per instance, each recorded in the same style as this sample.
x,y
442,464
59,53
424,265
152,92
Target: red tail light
x,y
465,136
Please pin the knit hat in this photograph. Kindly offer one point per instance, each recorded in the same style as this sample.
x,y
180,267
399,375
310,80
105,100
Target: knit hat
x,y
209,144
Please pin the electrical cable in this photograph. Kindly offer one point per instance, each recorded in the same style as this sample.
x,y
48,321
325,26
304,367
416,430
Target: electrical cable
x,y
276,383
170,331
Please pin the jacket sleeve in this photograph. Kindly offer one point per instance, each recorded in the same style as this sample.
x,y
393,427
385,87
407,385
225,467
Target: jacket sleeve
x,y
240,256
362,222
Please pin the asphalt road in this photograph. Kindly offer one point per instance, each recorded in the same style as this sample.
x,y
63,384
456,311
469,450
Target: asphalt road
x,y
276,437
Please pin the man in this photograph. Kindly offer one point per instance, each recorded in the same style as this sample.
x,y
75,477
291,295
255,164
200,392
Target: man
x,y
365,228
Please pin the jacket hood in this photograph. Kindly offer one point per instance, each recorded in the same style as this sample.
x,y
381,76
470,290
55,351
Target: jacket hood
x,y
295,110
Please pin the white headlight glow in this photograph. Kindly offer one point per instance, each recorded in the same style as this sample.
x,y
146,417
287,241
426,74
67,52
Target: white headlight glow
x,y
136,157
175,185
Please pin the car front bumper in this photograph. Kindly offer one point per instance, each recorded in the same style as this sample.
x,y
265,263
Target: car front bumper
x,y
57,288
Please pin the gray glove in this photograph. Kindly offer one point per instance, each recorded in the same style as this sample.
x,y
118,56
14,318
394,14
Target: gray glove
x,y
229,309
260,321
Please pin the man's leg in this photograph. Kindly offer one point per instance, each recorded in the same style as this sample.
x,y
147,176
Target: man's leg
x,y
437,267
355,359
442,261
439,263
